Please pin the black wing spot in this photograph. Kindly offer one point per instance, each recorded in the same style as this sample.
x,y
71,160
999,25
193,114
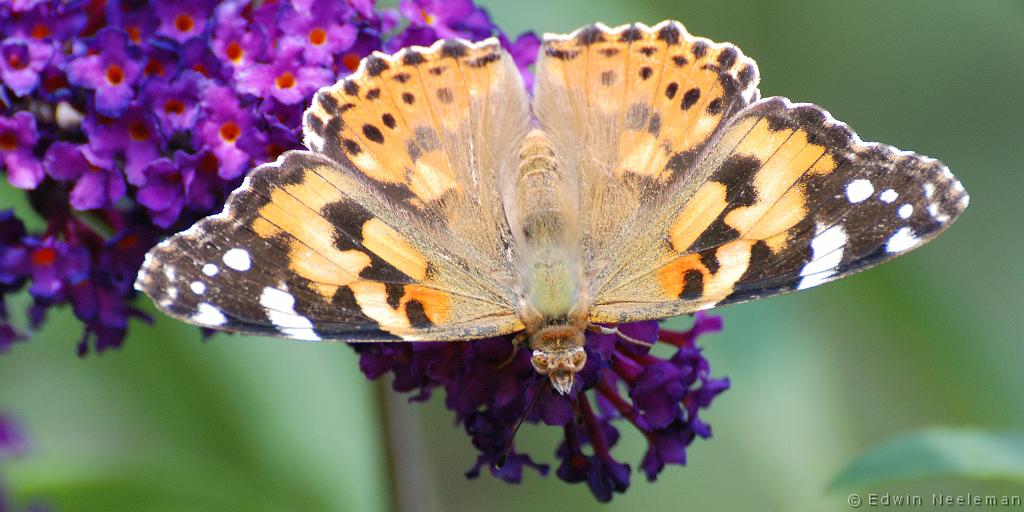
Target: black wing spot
x,y
715,106
690,98
376,65
646,72
590,35
680,60
351,88
408,98
416,314
670,91
693,285
401,78
699,49
373,133
670,34
726,58
388,120
373,94
351,147
413,59
631,34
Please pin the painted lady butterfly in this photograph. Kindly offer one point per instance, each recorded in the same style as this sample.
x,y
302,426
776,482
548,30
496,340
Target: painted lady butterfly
x,y
644,179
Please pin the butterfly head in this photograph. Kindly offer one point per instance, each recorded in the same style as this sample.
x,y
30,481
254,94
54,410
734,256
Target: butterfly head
x,y
558,353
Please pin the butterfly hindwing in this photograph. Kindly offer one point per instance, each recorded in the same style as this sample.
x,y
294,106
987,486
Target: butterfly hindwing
x,y
794,199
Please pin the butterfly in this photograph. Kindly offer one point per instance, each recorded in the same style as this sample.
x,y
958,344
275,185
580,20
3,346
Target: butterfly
x,y
644,178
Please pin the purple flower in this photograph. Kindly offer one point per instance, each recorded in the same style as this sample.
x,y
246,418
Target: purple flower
x,y
55,266
133,138
13,442
203,186
175,103
524,53
163,194
182,20
98,183
18,137
490,387
223,121
13,254
236,42
321,32
111,72
285,80
21,62
448,18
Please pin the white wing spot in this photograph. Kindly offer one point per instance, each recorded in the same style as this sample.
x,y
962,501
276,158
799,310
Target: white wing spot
x,y
169,274
859,190
280,308
238,259
902,240
210,269
929,190
207,314
905,211
827,254
889,195
172,293
197,287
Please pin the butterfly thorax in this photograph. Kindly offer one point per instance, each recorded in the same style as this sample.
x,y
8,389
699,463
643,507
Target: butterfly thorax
x,y
545,217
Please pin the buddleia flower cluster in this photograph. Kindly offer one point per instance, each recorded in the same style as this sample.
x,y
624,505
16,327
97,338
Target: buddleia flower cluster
x,y
126,121
123,122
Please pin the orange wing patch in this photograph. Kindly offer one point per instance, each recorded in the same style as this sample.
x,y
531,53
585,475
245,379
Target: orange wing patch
x,y
403,119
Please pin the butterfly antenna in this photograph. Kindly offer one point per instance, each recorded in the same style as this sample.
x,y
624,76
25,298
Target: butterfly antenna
x,y
508,446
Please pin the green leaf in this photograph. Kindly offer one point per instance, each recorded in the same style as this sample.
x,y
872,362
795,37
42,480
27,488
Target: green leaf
x,y
964,453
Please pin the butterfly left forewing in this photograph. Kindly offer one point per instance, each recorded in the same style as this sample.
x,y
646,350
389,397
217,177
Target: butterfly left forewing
x,y
793,199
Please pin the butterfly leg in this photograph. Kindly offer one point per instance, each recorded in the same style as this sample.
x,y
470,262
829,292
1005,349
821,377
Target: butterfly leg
x,y
614,330
517,340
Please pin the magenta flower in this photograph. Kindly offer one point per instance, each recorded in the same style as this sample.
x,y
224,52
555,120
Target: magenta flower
x,y
321,32
163,194
448,18
286,79
182,20
21,62
223,121
236,42
175,103
18,137
98,183
133,138
111,72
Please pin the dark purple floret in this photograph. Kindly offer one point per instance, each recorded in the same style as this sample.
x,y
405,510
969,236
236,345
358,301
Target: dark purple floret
x,y
97,182
21,62
18,137
110,68
490,387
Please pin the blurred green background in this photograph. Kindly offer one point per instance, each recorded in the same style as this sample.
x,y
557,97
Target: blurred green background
x,y
819,377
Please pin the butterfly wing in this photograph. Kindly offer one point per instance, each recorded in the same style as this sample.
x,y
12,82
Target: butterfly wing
x,y
692,196
793,199
630,109
389,229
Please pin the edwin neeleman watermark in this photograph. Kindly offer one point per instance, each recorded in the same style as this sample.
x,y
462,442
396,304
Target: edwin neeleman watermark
x,y
935,499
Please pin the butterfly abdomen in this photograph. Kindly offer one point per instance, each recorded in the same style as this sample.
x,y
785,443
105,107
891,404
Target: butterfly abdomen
x,y
546,229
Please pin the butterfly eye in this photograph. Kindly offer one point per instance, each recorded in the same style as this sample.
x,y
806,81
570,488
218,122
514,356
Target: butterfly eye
x,y
540,362
579,360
